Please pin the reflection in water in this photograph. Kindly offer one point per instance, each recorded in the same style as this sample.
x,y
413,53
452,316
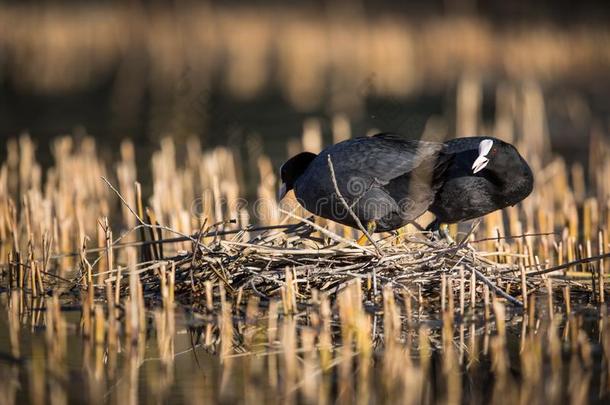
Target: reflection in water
x,y
266,355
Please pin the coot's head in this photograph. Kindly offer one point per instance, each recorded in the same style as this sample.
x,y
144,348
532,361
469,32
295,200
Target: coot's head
x,y
502,164
292,170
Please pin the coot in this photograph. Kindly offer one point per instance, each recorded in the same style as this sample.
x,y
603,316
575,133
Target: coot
x,y
388,181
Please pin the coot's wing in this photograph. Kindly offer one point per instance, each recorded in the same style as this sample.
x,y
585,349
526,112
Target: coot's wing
x,y
387,156
395,177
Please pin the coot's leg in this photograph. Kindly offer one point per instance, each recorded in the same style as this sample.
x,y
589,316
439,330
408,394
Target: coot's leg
x,y
400,232
370,228
433,226
440,229
444,229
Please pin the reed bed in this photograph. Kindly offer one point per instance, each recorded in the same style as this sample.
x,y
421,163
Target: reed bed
x,y
275,305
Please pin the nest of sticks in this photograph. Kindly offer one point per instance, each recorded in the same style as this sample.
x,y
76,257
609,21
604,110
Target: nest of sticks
x,y
296,260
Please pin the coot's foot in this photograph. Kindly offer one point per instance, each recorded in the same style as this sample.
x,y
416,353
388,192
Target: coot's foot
x,y
440,230
370,228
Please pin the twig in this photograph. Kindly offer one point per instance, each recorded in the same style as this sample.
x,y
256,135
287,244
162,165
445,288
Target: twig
x,y
497,289
569,264
473,228
123,200
347,207
326,232
195,251
513,236
116,245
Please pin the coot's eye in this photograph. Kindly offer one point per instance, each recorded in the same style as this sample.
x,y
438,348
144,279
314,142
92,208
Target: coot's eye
x,y
493,151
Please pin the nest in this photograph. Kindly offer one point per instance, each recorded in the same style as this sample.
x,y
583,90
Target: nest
x,y
304,259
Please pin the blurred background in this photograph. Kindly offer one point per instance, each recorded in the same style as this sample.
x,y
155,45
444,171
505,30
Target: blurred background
x,y
259,74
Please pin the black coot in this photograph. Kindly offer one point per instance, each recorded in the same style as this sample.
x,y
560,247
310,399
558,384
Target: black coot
x,y
389,181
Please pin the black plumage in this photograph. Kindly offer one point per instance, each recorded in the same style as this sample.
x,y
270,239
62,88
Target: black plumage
x,y
505,180
390,181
